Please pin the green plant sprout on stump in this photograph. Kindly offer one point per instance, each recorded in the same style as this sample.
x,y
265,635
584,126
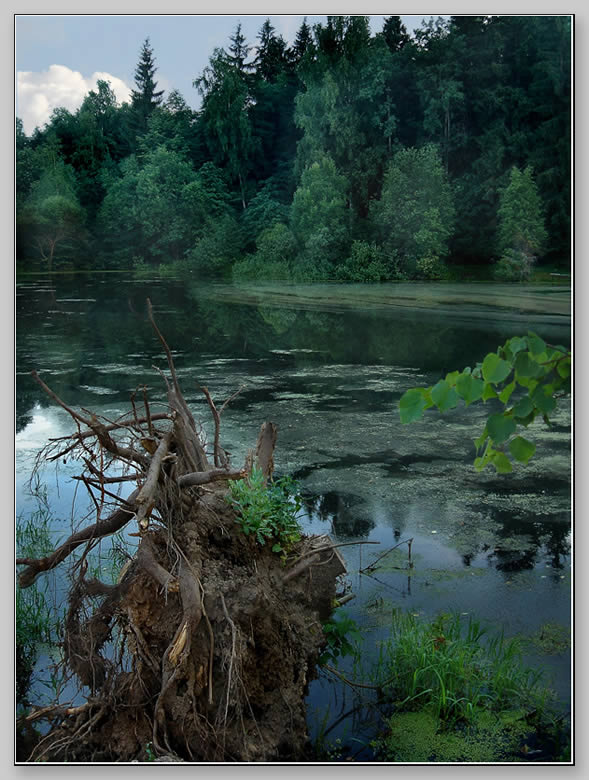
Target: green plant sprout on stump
x,y
526,375
267,512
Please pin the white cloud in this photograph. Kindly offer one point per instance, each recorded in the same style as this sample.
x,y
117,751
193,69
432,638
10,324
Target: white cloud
x,y
38,93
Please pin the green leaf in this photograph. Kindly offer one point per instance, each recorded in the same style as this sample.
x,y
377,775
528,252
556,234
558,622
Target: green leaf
x,y
502,463
478,443
564,368
488,392
517,344
543,400
495,369
479,463
451,377
526,367
505,394
412,404
469,388
500,427
444,396
522,449
536,344
524,407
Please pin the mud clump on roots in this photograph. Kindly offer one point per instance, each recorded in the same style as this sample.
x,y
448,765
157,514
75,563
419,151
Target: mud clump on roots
x,y
204,648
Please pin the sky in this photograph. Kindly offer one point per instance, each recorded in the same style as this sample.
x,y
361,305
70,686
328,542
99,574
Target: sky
x,y
59,58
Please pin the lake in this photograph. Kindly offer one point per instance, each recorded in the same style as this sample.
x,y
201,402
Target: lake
x,y
328,363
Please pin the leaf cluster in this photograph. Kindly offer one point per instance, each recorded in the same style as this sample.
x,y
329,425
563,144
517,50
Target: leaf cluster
x,y
526,375
339,633
267,512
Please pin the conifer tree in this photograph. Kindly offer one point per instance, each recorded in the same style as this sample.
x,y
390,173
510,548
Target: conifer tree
x,y
145,98
395,33
238,51
303,41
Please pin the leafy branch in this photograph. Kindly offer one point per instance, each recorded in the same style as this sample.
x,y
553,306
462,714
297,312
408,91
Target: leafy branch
x,y
526,375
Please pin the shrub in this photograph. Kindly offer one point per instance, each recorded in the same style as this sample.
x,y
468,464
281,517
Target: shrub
x,y
276,250
366,263
514,266
267,512
431,267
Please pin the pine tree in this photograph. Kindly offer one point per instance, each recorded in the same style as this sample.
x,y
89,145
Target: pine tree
x,y
145,98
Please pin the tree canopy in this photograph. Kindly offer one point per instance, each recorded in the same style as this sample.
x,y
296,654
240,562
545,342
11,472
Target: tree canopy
x,y
382,155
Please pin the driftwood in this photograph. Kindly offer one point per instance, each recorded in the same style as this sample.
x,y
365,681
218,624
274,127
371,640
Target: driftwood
x,y
205,645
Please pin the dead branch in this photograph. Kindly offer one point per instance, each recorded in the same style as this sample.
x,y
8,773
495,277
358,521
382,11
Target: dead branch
x,y
119,518
145,500
390,550
54,711
217,420
213,475
58,400
184,421
100,430
147,412
135,423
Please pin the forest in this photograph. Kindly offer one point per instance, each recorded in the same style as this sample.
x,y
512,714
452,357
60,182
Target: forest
x,y
347,156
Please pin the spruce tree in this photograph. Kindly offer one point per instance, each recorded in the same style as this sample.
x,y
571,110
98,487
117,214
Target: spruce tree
x,y
395,33
145,98
303,41
271,55
238,51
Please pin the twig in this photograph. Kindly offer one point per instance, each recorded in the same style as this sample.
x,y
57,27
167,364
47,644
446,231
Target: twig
x,y
58,400
331,547
373,564
349,682
147,411
217,419
355,684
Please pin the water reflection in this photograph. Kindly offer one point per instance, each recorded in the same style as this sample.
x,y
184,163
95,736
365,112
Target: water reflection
x,y
74,329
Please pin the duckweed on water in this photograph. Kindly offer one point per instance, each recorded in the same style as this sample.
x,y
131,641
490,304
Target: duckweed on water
x,y
551,639
421,737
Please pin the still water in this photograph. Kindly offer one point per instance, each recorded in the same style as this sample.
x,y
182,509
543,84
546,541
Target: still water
x,y
328,364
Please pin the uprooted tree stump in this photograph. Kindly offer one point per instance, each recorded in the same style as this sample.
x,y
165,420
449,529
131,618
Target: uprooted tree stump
x,y
205,646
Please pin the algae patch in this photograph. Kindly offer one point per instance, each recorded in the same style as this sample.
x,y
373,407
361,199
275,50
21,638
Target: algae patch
x,y
551,639
419,737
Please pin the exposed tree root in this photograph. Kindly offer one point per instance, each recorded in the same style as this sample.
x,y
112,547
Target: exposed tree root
x,y
204,647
